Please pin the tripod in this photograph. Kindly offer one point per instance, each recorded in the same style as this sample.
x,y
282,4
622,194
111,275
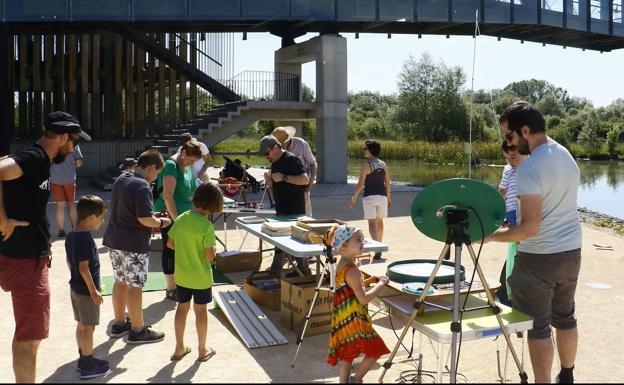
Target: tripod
x,y
456,222
329,268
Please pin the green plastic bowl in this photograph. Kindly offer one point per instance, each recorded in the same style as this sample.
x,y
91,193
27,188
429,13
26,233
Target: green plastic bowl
x,y
397,274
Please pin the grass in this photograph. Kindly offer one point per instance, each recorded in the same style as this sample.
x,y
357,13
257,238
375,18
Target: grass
x,y
614,225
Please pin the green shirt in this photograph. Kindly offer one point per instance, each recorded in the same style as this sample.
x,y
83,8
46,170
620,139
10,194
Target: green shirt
x,y
192,233
185,187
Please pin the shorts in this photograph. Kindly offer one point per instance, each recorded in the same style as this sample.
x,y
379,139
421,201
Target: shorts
x,y
375,206
85,311
27,280
543,286
200,296
63,192
129,267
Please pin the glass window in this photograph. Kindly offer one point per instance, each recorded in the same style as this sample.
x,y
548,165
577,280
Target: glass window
x,y
432,10
396,10
618,22
36,10
599,13
214,9
577,14
357,10
106,10
497,11
525,12
465,10
263,9
552,12
160,9
313,9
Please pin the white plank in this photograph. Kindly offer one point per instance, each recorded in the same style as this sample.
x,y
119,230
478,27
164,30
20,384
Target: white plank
x,y
263,320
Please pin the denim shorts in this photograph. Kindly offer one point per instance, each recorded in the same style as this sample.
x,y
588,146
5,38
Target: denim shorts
x,y
200,296
543,287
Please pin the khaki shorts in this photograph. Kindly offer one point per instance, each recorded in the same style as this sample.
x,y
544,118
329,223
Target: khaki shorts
x,y
375,206
85,311
543,286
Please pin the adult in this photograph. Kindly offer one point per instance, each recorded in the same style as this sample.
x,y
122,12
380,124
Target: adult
x,y
25,253
377,197
289,182
63,185
175,187
301,148
508,190
128,239
545,273
201,166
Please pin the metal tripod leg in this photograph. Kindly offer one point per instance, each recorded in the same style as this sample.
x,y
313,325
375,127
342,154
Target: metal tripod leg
x,y
417,305
490,297
326,270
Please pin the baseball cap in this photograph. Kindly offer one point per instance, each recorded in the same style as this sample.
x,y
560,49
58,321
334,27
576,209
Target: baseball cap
x,y
185,137
60,122
267,142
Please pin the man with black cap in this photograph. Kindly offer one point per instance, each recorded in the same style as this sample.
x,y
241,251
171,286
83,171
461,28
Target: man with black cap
x,y
25,243
289,185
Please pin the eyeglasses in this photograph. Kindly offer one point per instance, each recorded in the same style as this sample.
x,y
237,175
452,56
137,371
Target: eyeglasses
x,y
509,136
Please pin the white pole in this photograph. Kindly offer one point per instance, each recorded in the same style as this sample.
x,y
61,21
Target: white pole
x,y
474,56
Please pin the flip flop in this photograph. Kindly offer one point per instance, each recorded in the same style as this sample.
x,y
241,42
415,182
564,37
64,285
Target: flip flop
x,y
178,357
207,356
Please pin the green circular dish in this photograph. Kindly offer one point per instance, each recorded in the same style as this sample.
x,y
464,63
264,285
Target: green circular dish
x,y
399,271
432,205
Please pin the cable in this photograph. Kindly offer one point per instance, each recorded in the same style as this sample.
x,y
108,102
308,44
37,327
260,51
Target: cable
x,y
410,351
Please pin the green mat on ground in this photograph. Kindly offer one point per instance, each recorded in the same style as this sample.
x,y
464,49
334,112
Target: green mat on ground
x,y
156,282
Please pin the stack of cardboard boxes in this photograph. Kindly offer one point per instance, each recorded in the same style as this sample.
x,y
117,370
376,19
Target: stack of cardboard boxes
x,y
297,294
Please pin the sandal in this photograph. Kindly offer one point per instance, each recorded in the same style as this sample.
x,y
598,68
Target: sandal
x,y
211,352
171,294
178,357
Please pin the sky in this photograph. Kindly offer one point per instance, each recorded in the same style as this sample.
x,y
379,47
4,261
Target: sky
x,y
374,62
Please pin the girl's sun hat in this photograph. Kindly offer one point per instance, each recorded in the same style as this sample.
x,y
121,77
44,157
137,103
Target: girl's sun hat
x,y
339,234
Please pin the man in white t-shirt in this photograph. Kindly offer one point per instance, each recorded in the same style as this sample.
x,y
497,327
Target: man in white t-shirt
x,y
200,166
301,148
547,265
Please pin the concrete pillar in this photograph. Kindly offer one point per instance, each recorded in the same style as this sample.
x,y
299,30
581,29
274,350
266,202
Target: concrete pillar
x,y
6,95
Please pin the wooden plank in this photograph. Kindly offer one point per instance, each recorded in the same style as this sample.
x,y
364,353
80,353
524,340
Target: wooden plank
x,y
72,74
117,74
36,86
193,87
129,129
48,61
172,87
140,93
182,99
151,97
59,100
84,82
162,108
96,97
108,47
23,86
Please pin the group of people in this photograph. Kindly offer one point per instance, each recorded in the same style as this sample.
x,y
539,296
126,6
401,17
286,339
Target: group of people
x,y
543,221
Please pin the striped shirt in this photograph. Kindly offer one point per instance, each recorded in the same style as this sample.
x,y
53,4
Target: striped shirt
x,y
509,183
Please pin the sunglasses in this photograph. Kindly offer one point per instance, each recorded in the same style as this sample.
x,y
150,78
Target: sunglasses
x,y
74,139
266,153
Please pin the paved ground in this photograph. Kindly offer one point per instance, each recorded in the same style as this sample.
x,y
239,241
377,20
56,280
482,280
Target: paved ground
x,y
599,311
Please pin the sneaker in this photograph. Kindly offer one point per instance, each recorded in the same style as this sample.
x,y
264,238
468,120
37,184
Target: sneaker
x,y
145,336
119,330
559,380
98,368
61,234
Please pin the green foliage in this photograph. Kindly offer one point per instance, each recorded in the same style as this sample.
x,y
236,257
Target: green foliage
x,y
612,141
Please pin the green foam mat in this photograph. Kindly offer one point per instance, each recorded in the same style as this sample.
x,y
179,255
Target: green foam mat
x,y
156,282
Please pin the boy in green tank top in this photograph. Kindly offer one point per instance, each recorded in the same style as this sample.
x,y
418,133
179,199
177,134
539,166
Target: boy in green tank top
x,y
192,236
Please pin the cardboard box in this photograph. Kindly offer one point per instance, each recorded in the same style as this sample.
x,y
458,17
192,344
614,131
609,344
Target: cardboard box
x,y
238,260
269,299
297,294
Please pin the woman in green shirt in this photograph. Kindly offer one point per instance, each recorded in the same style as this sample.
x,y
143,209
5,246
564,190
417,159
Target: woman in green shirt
x,y
176,185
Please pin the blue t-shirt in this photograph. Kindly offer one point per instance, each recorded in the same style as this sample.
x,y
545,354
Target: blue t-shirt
x,y
80,246
552,173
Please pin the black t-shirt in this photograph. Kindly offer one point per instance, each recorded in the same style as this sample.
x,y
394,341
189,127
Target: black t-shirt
x,y
131,199
79,246
26,199
289,198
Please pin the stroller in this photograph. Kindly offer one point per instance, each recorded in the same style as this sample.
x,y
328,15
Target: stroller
x,y
234,177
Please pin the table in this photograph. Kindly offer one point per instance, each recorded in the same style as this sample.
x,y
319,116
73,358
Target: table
x,y
227,211
436,323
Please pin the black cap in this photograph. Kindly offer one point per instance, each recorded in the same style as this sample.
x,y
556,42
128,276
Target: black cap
x,y
61,122
185,137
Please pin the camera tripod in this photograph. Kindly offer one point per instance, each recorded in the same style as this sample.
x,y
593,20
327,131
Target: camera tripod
x,y
456,222
328,268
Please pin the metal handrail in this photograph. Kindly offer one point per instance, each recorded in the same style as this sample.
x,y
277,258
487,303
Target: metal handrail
x,y
266,85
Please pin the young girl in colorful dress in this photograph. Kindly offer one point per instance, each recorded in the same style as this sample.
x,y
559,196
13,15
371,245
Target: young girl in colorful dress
x,y
352,331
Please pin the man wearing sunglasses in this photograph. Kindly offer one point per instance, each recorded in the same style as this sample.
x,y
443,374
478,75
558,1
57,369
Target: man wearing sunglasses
x,y
25,235
289,182
546,269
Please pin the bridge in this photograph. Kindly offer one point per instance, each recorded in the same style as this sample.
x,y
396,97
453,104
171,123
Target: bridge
x,y
137,70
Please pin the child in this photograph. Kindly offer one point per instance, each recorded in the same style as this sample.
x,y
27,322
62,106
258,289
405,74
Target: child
x,y
84,265
192,236
352,331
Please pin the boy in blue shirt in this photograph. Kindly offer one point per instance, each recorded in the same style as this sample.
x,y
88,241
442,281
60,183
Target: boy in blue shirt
x,y
84,265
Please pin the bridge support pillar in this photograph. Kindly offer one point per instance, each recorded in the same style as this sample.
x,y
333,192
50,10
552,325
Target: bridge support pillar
x,y
330,54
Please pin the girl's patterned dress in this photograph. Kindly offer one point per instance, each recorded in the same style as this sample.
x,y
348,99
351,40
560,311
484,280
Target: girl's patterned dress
x,y
352,330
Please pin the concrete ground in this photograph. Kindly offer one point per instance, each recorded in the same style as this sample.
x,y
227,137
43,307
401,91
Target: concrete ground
x,y
599,312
